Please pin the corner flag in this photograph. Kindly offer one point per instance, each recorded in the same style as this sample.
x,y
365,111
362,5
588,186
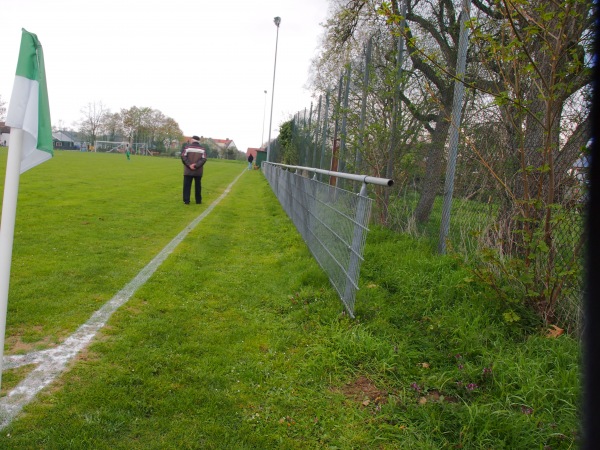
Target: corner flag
x,y
29,109
30,144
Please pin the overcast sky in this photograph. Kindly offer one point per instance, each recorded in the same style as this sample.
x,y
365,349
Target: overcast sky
x,y
204,63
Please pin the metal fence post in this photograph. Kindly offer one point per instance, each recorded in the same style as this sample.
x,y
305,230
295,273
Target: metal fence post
x,y
363,108
358,242
396,111
324,133
317,129
459,93
335,152
343,131
307,133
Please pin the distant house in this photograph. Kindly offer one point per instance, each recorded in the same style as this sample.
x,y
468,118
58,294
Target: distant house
x,y
62,140
4,134
226,147
225,144
217,148
187,140
212,149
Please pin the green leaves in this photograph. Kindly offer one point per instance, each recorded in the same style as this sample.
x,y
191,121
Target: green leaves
x,y
510,316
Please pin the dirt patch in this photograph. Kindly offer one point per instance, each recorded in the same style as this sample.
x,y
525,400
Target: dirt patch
x,y
87,355
264,348
16,345
436,397
364,391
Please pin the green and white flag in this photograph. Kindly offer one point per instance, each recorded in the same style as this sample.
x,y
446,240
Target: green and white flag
x,y
30,144
29,109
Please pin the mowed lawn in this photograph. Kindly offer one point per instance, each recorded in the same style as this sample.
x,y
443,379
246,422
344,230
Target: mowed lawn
x,y
239,342
86,224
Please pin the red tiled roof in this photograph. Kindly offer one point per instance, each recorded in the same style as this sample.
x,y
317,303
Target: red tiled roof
x,y
223,143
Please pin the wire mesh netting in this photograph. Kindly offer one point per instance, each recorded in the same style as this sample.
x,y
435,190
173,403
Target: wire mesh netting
x,y
332,221
500,215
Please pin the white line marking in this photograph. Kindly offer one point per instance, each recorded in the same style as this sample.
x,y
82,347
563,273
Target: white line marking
x,y
52,362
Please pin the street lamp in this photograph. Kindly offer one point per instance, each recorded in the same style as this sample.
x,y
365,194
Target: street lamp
x,y
264,112
277,21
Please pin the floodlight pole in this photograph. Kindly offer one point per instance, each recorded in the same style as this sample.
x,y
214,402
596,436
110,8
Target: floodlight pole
x,y
277,21
262,141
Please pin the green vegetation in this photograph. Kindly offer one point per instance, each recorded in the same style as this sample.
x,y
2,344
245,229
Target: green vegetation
x,y
523,128
239,342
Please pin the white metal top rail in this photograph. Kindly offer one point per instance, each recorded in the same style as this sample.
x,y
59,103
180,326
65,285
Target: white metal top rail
x,y
348,176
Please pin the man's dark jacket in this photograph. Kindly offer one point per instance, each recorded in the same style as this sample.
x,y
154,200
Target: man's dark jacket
x,y
193,154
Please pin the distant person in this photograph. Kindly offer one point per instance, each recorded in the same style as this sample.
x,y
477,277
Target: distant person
x,y
127,153
193,158
250,159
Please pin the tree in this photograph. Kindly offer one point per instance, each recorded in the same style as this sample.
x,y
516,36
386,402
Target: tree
x,y
2,109
230,153
528,80
149,127
431,34
93,117
286,143
137,124
112,126
534,54
168,131
212,149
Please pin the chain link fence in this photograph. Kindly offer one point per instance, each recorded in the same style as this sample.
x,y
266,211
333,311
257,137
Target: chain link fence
x,y
332,221
483,216
514,208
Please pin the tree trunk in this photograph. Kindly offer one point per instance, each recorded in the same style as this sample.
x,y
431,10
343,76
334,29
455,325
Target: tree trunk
x,y
431,183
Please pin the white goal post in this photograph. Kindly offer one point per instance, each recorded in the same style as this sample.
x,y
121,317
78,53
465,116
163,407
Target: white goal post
x,y
138,148
110,146
141,148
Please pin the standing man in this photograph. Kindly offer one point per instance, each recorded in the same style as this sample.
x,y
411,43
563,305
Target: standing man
x,y
193,158
250,159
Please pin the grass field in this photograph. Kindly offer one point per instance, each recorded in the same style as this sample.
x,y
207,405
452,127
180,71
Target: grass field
x,y
239,342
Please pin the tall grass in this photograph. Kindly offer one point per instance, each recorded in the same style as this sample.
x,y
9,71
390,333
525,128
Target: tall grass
x,y
476,235
238,340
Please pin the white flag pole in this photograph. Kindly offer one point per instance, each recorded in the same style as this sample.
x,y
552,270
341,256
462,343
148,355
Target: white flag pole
x,y
7,227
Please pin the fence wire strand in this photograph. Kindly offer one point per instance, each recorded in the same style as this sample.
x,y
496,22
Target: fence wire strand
x,y
333,223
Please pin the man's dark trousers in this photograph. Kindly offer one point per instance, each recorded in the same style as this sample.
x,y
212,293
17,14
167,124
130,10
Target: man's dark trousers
x,y
187,188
